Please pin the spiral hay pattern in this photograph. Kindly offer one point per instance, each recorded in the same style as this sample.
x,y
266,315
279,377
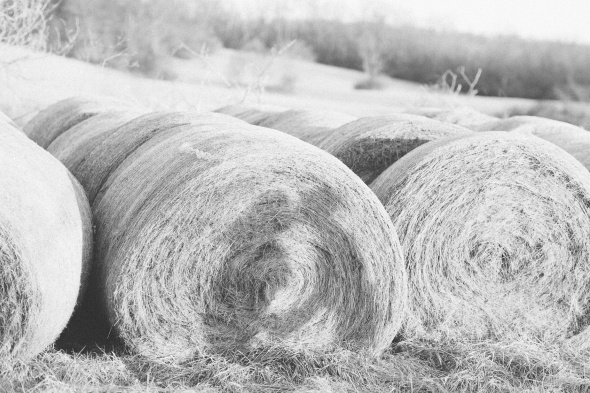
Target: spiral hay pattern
x,y
45,245
370,145
56,119
495,229
574,140
309,126
231,237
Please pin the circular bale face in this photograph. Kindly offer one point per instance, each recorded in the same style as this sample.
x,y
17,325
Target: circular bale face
x,y
230,238
45,245
309,126
57,118
370,145
573,139
495,229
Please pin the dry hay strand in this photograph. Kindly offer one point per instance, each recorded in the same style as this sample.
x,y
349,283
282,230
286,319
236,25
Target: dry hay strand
x,y
573,139
253,114
309,126
495,229
96,157
59,117
370,145
461,116
45,246
228,238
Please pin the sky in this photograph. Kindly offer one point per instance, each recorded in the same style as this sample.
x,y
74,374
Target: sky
x,y
560,20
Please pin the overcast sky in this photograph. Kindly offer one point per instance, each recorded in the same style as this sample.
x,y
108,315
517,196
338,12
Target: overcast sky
x,y
564,20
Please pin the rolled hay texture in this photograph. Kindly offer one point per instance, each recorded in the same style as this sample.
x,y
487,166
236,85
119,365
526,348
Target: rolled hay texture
x,y
94,150
309,126
8,120
253,114
495,229
573,139
59,117
461,116
225,238
370,145
45,246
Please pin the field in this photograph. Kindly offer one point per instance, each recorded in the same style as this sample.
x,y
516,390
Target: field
x,y
31,81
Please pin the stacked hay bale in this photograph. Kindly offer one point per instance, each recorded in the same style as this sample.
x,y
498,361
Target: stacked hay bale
x,y
215,236
462,116
309,126
45,246
8,120
56,119
370,145
253,114
495,229
574,140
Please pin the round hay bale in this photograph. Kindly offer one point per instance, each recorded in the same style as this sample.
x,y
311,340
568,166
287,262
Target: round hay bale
x,y
462,116
250,114
370,145
309,126
76,143
495,229
96,157
230,238
45,246
8,121
61,116
573,139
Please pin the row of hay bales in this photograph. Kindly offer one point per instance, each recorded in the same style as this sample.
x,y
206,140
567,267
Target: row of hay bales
x,y
212,235
493,219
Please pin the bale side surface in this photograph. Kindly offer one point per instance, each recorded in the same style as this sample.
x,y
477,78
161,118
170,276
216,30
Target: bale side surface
x,y
462,116
370,145
97,157
229,238
495,229
253,114
309,126
44,246
573,139
59,117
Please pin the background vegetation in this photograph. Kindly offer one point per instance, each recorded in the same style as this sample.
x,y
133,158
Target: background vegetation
x,y
134,34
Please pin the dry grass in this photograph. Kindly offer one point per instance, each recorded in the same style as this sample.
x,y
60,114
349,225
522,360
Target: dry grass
x,y
45,245
495,229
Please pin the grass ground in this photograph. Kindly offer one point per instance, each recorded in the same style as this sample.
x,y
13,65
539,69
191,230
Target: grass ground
x,y
29,82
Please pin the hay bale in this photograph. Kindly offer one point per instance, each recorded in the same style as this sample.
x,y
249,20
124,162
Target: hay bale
x,y
45,246
495,229
462,116
253,114
309,126
96,157
61,116
9,121
76,143
226,238
370,145
573,139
